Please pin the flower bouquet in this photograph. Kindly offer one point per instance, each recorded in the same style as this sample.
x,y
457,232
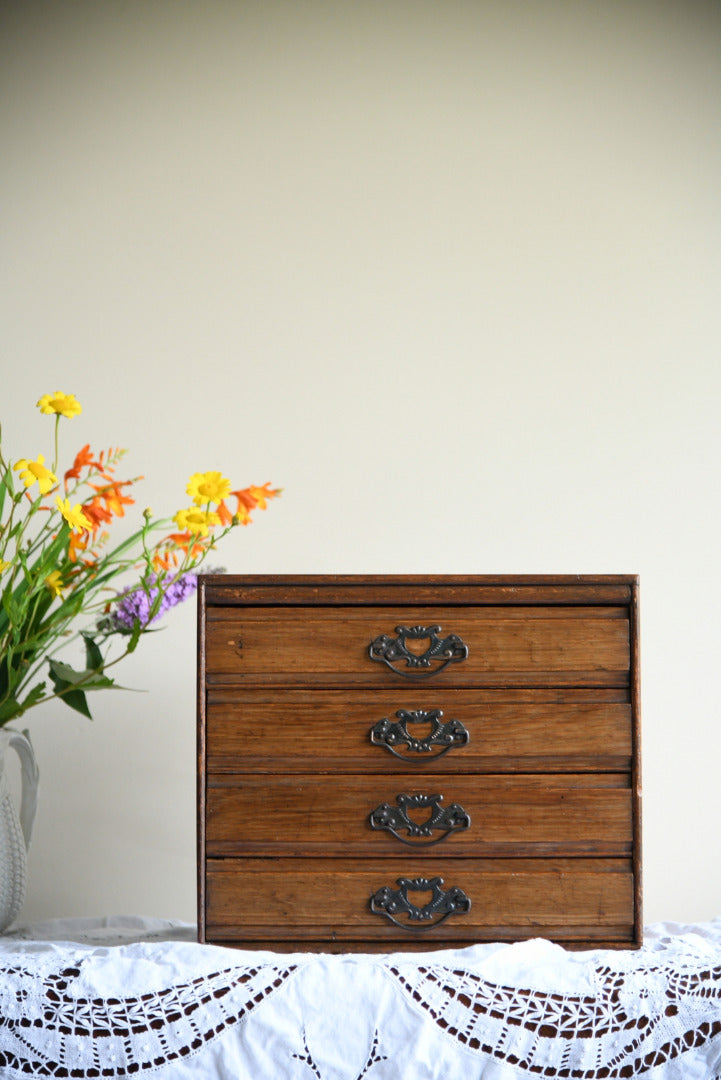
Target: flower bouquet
x,y
60,572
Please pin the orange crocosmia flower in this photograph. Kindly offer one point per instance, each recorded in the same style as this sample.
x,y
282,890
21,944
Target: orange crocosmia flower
x,y
80,545
165,560
245,498
242,514
112,496
244,504
251,497
262,494
187,542
83,460
108,501
97,513
226,518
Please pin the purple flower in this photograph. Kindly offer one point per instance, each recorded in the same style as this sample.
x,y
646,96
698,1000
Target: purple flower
x,y
136,603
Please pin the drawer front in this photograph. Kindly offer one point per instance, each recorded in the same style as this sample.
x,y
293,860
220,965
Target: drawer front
x,y
317,901
414,730
462,816
383,646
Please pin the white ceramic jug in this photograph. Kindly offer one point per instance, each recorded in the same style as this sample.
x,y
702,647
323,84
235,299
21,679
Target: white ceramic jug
x,y
15,831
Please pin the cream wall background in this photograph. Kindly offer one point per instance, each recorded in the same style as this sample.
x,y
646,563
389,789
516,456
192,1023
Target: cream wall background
x,y
447,272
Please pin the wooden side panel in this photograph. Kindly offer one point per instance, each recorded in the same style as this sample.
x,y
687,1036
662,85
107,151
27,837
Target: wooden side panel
x,y
636,783
201,755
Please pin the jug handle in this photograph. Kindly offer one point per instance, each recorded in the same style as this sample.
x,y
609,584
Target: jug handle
x,y
30,773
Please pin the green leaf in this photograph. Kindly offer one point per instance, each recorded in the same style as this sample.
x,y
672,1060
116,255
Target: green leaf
x,y
70,685
8,482
90,679
76,700
8,710
11,608
93,655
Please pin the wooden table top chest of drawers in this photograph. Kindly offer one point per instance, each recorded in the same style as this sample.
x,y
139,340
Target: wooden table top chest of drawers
x,y
414,762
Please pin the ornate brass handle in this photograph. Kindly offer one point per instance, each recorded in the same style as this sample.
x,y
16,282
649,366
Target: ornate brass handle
x,y
439,653
395,819
391,902
393,733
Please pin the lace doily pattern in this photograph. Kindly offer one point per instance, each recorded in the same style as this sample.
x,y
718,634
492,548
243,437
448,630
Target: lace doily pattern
x,y
636,1021
177,1010
49,1029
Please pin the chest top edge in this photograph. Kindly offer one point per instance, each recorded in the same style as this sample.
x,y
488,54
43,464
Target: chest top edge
x,y
333,589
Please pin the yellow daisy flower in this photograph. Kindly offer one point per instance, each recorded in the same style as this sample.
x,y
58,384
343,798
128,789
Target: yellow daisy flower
x,y
54,583
73,514
196,521
62,404
30,471
207,487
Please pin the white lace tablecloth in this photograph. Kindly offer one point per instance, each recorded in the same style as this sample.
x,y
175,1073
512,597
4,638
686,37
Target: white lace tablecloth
x,y
128,997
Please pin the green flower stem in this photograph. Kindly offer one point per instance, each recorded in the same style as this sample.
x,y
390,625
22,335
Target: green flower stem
x,y
11,531
57,456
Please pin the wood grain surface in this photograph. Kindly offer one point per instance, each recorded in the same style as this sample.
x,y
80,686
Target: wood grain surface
x,y
329,730
323,899
301,645
509,815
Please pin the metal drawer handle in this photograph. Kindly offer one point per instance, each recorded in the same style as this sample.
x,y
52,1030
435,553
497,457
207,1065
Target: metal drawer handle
x,y
390,902
395,819
440,652
392,733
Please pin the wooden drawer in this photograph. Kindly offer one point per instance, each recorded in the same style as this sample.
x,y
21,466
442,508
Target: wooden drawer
x,y
309,901
579,646
330,730
371,816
